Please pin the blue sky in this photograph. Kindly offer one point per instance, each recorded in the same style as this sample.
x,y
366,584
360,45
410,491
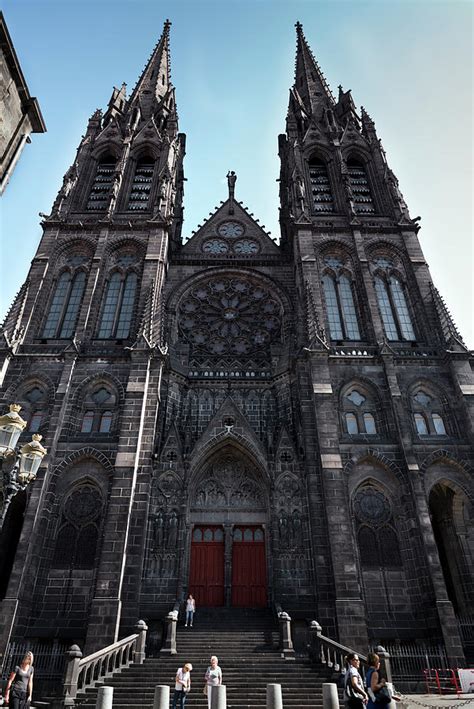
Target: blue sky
x,y
408,62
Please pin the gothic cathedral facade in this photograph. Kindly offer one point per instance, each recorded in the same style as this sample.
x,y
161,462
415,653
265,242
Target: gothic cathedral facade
x,y
257,423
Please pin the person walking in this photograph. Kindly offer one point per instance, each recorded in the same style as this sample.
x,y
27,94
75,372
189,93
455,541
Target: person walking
x,y
182,685
374,682
19,687
190,611
355,696
213,678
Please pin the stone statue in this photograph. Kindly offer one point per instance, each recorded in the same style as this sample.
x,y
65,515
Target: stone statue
x,y
158,524
300,193
114,192
172,530
231,180
283,530
163,196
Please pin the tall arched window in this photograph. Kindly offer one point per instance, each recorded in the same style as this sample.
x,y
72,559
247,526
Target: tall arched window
x,y
359,183
99,194
392,302
65,304
322,199
78,531
34,402
141,185
118,305
341,312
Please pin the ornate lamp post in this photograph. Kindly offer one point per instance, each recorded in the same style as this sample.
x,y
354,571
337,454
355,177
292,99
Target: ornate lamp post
x,y
18,468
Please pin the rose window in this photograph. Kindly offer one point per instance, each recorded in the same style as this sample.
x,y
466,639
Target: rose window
x,y
229,316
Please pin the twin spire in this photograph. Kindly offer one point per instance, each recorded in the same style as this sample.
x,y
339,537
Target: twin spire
x,y
310,84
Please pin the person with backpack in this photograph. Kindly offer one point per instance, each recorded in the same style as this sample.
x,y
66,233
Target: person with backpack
x,y
355,695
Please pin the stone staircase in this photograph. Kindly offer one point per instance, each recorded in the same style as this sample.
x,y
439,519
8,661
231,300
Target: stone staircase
x,y
246,643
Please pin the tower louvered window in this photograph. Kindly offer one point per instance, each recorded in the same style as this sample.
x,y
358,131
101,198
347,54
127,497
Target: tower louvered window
x,y
320,187
362,196
64,308
141,186
118,306
101,189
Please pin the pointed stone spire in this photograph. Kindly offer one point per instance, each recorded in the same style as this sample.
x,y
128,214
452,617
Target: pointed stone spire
x,y
451,334
310,83
155,81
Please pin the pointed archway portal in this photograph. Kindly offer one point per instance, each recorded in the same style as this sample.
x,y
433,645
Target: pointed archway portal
x,y
229,517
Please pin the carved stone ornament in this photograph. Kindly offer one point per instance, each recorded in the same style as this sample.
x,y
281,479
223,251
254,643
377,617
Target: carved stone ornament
x,y
229,484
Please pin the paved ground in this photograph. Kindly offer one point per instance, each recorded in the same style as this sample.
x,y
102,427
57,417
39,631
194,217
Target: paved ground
x,y
425,701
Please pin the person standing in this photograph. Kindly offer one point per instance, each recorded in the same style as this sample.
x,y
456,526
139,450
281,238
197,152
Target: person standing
x,y
182,685
190,611
354,693
213,678
19,687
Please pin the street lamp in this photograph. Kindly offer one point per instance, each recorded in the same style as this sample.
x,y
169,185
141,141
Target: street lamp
x,y
18,468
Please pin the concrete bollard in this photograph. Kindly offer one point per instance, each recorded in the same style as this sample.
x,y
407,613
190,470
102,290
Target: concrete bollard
x,y
105,698
219,697
161,699
274,699
330,696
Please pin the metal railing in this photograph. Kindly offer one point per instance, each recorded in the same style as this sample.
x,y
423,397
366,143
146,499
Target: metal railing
x,y
409,660
49,661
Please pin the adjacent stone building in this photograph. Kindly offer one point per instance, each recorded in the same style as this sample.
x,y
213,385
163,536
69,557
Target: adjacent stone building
x,y
20,113
253,422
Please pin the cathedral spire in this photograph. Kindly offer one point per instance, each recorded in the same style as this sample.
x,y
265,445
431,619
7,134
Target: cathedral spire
x,y
310,84
155,82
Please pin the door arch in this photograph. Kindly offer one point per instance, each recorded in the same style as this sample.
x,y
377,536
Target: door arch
x,y
228,494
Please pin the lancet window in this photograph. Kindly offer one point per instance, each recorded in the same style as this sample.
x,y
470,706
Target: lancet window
x,y
64,307
118,303
359,184
141,185
339,297
322,198
101,189
98,410
392,302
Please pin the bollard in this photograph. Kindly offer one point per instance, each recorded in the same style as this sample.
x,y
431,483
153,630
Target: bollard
x,y
105,698
218,697
330,696
161,699
274,699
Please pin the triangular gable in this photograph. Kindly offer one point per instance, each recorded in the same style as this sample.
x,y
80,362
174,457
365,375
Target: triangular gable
x,y
232,236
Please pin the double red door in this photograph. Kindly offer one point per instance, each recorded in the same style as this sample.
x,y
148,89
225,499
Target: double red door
x,y
206,577
249,574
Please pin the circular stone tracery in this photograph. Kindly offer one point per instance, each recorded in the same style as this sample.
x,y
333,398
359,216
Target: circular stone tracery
x,y
225,315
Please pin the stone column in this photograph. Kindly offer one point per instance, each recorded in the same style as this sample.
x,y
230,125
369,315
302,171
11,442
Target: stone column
x,y
274,699
161,700
287,650
330,696
228,533
169,647
139,653
219,697
105,698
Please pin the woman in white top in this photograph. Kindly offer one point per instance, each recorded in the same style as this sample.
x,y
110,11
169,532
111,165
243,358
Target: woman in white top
x,y
213,678
182,685
190,610
354,693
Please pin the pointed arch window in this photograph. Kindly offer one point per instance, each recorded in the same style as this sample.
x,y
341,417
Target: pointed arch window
x,y
98,410
376,534
426,413
99,194
394,308
118,306
341,312
322,199
64,308
359,183
141,185
78,533
359,411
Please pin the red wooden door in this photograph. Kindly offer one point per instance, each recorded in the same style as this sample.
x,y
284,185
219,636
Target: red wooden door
x,y
206,576
249,570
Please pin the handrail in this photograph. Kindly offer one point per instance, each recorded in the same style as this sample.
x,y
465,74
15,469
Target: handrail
x,y
332,654
84,672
